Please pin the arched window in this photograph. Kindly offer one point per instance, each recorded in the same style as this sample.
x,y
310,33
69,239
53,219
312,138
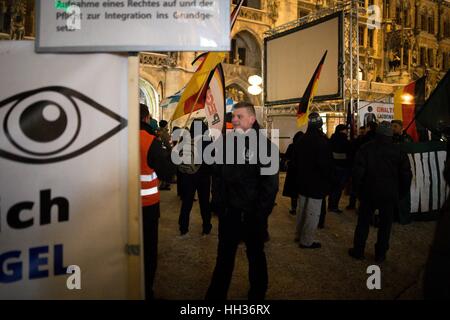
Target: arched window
x,y
149,96
423,22
446,61
431,57
423,53
431,24
245,50
447,29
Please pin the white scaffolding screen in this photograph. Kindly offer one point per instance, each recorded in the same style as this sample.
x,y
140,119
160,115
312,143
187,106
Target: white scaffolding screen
x,y
291,58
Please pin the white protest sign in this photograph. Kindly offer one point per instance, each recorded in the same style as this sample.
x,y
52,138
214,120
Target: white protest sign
x,y
132,25
63,174
375,111
215,103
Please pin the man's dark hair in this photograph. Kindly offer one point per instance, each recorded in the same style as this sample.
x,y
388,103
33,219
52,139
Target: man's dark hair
x,y
162,123
340,127
247,105
362,127
369,108
143,111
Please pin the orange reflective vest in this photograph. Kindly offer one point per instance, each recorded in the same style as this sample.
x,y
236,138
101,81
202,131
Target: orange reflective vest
x,y
149,179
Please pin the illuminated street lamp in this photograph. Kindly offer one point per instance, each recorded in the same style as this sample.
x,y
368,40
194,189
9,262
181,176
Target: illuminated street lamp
x,y
407,98
255,85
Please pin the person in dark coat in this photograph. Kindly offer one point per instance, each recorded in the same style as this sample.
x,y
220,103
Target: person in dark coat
x,y
437,275
382,175
341,148
314,173
165,139
248,195
400,136
199,181
289,189
355,145
370,135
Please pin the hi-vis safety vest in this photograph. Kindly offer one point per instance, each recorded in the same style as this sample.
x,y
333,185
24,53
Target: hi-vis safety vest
x,y
149,179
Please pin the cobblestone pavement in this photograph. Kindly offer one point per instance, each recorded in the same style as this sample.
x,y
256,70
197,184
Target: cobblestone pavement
x,y
185,265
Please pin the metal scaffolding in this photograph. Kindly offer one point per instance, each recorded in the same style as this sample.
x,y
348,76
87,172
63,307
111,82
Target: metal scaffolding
x,y
349,68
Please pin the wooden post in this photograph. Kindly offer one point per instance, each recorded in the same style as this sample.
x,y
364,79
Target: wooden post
x,y
135,274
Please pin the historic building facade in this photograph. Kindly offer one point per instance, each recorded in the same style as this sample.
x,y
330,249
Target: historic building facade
x,y
412,39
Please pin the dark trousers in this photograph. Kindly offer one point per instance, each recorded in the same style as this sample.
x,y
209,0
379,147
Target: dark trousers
x,y
352,200
235,226
365,216
323,213
342,175
189,184
179,185
294,201
150,220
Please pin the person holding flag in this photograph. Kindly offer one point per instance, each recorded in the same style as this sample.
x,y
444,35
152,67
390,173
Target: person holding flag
x,y
314,170
313,163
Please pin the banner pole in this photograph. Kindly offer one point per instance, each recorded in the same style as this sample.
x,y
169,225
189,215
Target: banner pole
x,y
135,252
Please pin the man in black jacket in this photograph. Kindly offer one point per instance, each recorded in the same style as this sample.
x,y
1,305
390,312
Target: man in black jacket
x,y
382,175
341,148
314,171
248,195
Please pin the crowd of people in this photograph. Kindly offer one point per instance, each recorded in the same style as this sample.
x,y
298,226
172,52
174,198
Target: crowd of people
x,y
371,168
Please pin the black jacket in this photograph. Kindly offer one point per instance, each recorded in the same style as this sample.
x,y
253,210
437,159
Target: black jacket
x,y
158,158
369,136
341,148
314,167
243,187
289,189
382,173
437,276
402,138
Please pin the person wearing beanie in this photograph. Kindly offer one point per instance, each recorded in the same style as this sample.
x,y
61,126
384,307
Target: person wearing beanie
x,y
313,163
382,175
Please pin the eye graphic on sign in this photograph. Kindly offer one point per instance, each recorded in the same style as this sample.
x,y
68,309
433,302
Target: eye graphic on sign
x,y
46,125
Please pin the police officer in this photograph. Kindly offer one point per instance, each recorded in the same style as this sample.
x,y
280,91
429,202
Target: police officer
x,y
154,165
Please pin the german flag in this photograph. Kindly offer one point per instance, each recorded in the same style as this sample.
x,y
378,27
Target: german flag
x,y
408,102
308,96
193,96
